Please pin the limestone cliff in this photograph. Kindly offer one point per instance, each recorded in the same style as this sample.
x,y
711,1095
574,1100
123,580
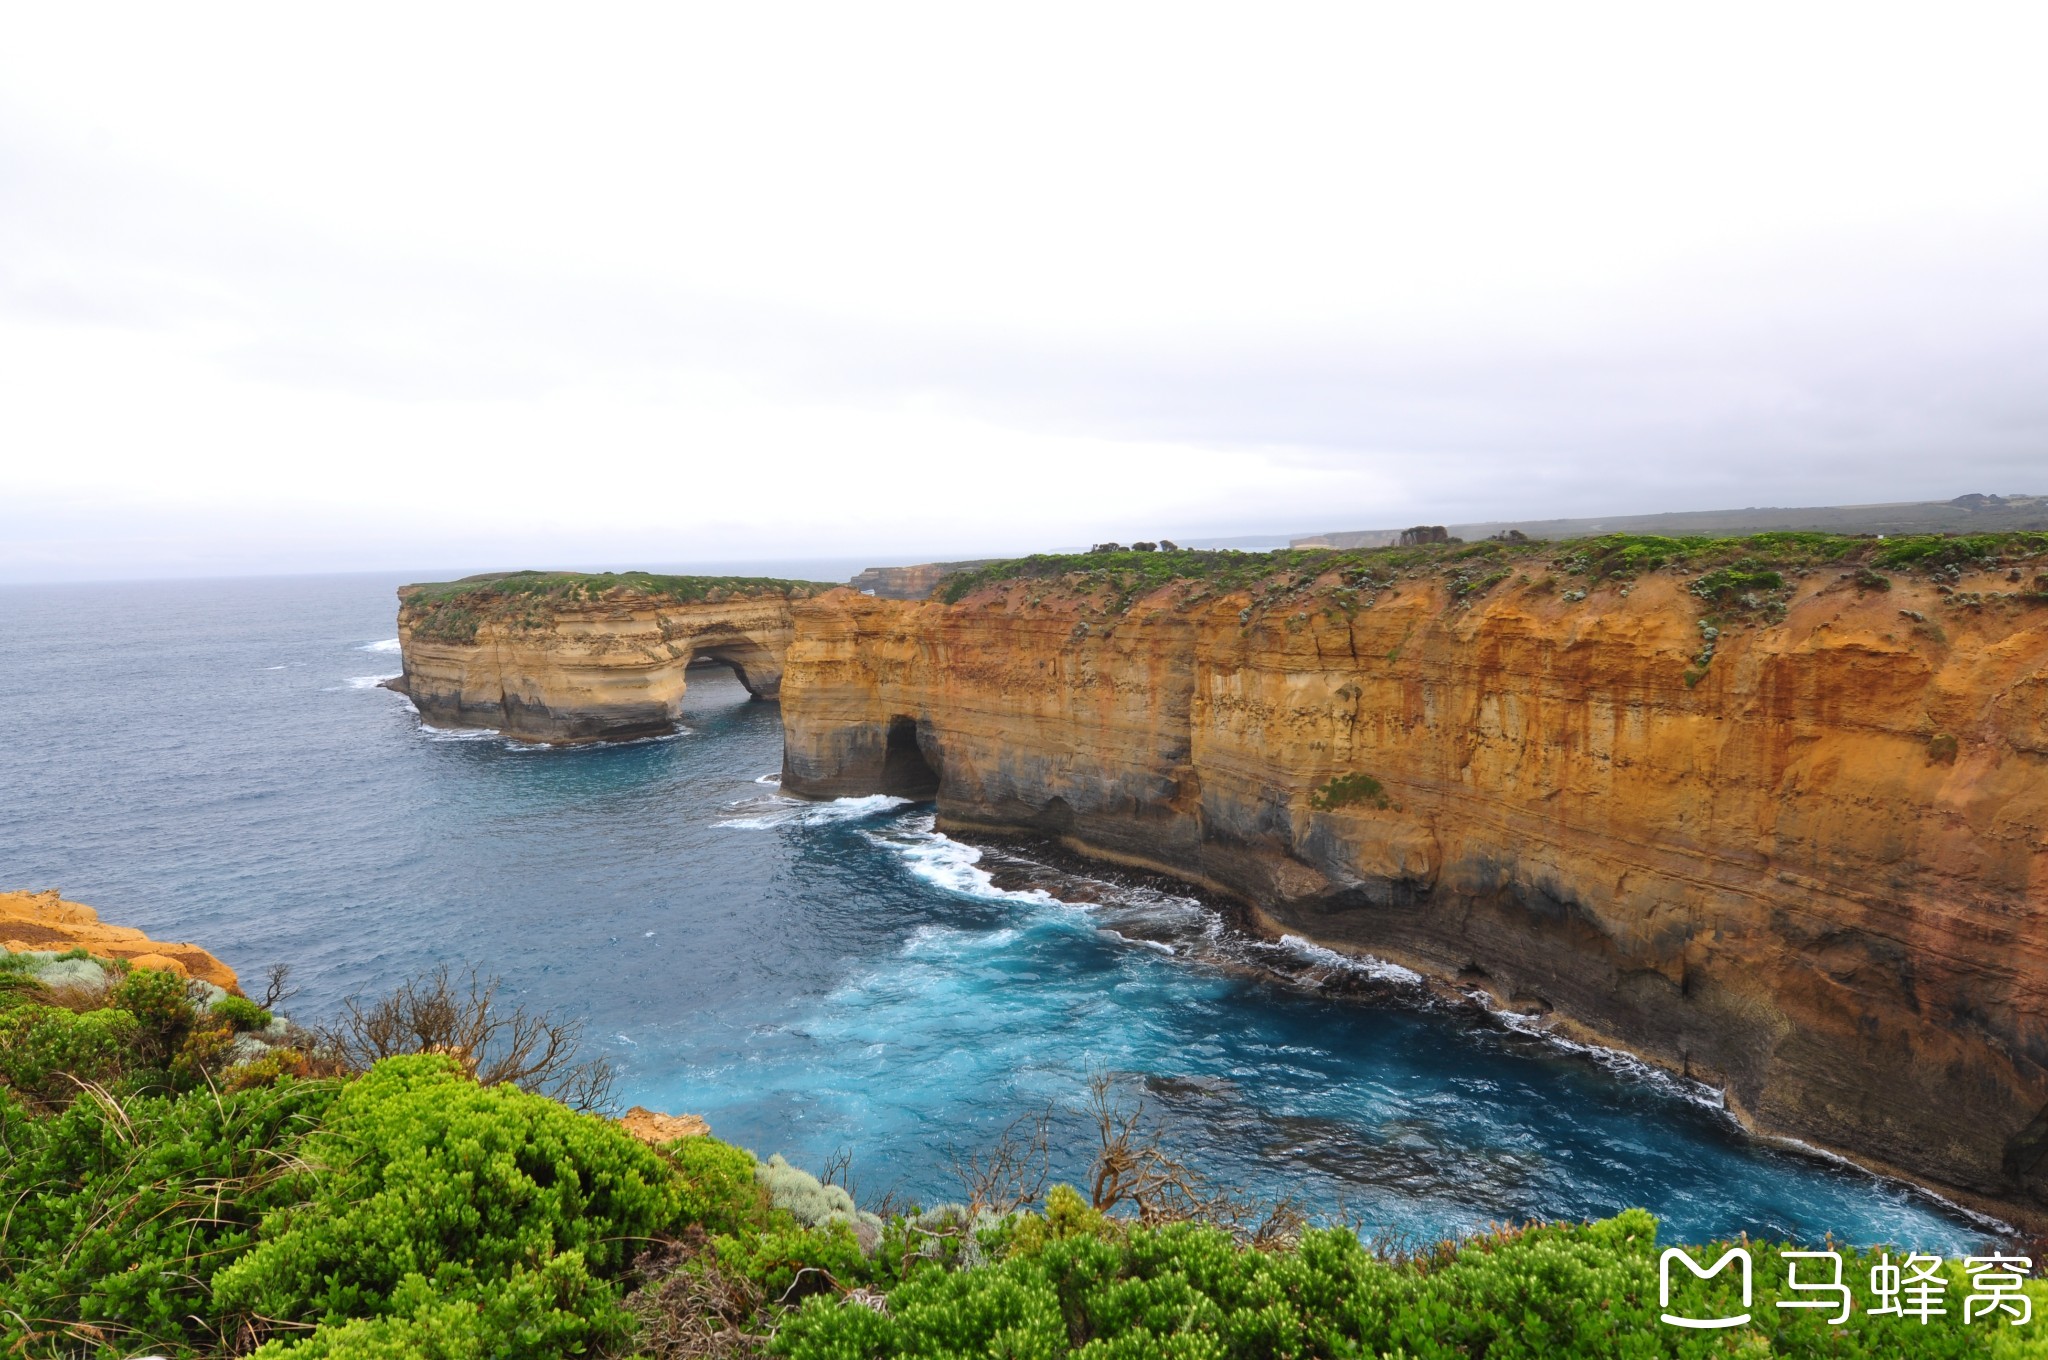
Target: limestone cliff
x,y
1780,824
44,921
564,657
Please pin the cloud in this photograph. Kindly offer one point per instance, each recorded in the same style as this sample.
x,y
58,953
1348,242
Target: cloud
x,y
278,292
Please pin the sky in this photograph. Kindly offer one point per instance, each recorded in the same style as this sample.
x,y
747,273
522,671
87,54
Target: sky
x,y
368,287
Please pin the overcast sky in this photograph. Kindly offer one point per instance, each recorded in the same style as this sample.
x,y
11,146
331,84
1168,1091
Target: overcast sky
x,y
295,288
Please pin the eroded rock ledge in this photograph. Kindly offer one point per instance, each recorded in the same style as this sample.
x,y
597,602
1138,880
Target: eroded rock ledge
x,y
568,657
1781,825
43,921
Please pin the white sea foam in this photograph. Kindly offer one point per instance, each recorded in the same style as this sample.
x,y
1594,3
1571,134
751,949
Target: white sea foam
x,y
776,810
774,777
1160,945
1613,1059
359,682
1357,963
387,645
949,865
433,733
1805,1149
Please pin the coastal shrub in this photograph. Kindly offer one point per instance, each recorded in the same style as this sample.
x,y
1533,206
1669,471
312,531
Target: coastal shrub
x,y
719,1189
807,1199
460,1184
1737,582
538,1313
784,1259
1349,790
47,1052
162,1006
121,1212
1579,1290
242,1013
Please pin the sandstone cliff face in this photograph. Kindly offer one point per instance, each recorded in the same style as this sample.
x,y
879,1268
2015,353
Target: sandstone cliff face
x,y
1816,875
576,664
44,921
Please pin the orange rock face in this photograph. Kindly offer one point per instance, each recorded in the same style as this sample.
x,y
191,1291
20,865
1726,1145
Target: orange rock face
x,y
654,1128
43,921
1811,868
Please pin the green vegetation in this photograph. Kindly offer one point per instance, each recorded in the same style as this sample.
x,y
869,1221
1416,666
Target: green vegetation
x,y
1347,790
410,1210
452,611
1729,568
1941,550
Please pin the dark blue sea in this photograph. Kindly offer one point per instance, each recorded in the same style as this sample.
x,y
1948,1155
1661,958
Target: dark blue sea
x,y
212,761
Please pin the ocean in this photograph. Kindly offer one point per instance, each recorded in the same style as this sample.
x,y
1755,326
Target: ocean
x,y
213,761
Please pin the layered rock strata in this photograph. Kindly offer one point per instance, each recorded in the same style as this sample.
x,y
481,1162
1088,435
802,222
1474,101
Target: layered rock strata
x,y
1797,849
44,922
565,658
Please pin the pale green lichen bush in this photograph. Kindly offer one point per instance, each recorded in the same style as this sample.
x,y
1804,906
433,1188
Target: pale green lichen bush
x,y
807,1199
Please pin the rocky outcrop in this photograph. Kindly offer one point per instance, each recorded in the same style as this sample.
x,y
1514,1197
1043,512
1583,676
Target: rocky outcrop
x,y
1787,834
563,658
656,1129
43,921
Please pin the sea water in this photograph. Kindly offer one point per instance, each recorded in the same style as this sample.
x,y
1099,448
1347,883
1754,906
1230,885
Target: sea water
x,y
215,762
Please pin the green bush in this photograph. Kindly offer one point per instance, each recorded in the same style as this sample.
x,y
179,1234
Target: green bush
x,y
553,1310
1577,1290
121,1213
459,1184
1348,789
162,1005
242,1013
47,1051
719,1189
1728,585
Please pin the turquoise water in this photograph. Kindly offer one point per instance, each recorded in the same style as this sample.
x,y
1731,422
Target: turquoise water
x,y
212,761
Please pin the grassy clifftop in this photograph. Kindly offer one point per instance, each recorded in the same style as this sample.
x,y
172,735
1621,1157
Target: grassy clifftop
x,y
451,611
1746,562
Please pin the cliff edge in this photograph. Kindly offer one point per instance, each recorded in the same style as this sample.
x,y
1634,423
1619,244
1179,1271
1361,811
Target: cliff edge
x,y
44,921
1772,812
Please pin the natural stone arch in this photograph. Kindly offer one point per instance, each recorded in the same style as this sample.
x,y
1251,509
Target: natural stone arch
x,y
583,665
756,662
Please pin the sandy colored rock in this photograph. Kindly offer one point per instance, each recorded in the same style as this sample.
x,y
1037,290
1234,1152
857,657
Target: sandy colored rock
x,y
44,921
610,666
655,1128
1813,873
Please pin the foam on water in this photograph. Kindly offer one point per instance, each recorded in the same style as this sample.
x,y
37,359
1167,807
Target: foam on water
x,y
761,814
384,645
365,681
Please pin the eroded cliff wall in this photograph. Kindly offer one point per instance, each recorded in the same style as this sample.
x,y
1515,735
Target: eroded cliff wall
x,y
1794,844
564,658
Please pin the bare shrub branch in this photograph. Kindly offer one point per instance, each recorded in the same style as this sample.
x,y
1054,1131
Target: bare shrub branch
x,y
277,987
1013,1171
436,1013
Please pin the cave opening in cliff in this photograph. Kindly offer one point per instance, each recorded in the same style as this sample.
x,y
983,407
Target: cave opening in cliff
x,y
905,771
752,664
